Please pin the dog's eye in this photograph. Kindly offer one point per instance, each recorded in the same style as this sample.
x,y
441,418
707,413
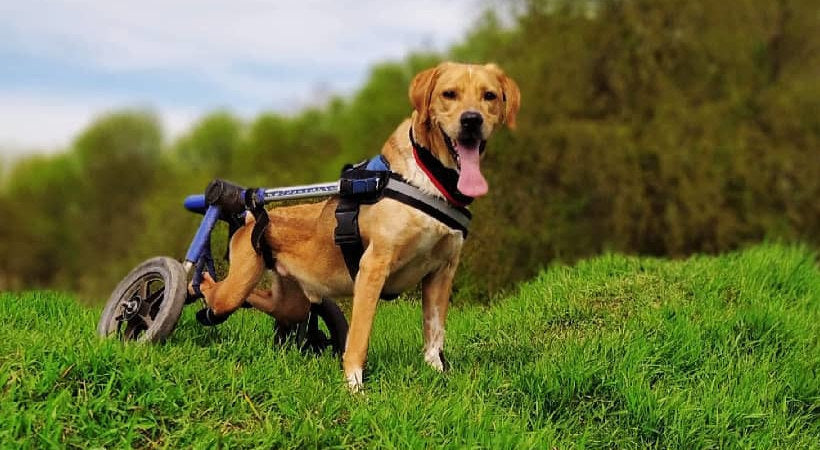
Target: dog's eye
x,y
450,95
490,96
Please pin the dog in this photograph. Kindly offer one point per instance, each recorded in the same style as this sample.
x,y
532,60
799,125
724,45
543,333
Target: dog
x,y
456,107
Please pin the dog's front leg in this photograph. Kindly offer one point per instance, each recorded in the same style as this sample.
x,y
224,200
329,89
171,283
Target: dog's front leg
x,y
435,294
373,271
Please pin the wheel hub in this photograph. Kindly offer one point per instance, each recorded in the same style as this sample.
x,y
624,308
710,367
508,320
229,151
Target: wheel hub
x,y
131,307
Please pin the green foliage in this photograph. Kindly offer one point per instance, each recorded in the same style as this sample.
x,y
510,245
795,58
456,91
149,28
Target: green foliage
x,y
210,147
649,127
33,237
71,216
378,107
292,150
616,351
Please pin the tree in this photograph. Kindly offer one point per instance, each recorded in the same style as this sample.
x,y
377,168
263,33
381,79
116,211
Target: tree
x,y
211,145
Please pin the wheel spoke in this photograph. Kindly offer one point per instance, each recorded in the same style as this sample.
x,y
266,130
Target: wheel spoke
x,y
130,331
150,299
145,288
147,320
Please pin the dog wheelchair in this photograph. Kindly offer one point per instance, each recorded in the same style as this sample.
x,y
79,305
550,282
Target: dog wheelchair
x,y
147,304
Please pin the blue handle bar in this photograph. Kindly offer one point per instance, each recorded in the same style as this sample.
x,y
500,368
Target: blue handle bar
x,y
196,203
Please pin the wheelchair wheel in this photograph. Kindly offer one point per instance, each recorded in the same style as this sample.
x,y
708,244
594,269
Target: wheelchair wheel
x,y
310,336
146,305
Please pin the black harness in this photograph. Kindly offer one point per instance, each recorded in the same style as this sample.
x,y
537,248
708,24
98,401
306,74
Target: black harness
x,y
369,182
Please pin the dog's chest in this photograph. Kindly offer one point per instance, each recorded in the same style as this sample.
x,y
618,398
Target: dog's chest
x,y
421,246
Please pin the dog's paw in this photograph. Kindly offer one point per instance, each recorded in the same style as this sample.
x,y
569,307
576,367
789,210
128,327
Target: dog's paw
x,y
355,381
207,284
193,293
437,361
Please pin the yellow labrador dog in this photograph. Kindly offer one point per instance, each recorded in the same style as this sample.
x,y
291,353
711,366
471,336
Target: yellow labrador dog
x,y
437,151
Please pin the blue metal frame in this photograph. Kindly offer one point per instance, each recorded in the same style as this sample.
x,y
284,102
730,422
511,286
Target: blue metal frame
x,y
203,235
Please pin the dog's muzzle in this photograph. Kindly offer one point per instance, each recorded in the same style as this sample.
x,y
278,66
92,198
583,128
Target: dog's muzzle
x,y
470,133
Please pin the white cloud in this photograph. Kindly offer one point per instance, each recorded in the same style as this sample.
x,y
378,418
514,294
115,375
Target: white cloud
x,y
249,54
155,34
31,122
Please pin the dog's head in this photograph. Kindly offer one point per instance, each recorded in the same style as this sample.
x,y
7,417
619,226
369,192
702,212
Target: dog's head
x,y
459,106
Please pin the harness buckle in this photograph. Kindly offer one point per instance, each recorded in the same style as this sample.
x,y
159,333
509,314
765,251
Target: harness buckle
x,y
347,227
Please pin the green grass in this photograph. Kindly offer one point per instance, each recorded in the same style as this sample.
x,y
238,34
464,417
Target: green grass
x,y
617,351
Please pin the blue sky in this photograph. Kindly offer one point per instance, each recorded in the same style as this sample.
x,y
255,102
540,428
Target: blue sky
x,y
62,63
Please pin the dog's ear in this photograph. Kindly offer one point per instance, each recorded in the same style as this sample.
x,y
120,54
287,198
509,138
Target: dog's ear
x,y
511,95
512,100
421,92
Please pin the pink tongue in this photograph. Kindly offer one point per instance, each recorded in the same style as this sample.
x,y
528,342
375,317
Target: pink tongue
x,y
470,181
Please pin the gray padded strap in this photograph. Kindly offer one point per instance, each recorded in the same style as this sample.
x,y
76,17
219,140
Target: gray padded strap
x,y
446,211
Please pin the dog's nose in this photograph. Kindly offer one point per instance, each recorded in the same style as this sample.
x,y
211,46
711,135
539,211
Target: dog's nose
x,y
471,120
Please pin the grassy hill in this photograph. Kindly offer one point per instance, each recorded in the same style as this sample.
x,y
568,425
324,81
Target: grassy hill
x,y
615,351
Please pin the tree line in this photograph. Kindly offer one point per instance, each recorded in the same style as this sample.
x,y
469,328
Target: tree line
x,y
647,126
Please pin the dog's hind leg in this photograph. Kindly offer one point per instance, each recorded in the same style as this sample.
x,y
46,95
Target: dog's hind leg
x,y
246,267
285,300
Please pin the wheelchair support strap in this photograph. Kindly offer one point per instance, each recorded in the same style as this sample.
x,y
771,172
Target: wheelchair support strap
x,y
347,235
255,203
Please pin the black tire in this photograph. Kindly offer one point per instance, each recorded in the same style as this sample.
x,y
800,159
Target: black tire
x,y
146,305
309,336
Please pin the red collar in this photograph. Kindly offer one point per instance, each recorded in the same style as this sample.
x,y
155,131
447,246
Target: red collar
x,y
443,178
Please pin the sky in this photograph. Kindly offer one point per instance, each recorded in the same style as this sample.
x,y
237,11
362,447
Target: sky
x,y
63,63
